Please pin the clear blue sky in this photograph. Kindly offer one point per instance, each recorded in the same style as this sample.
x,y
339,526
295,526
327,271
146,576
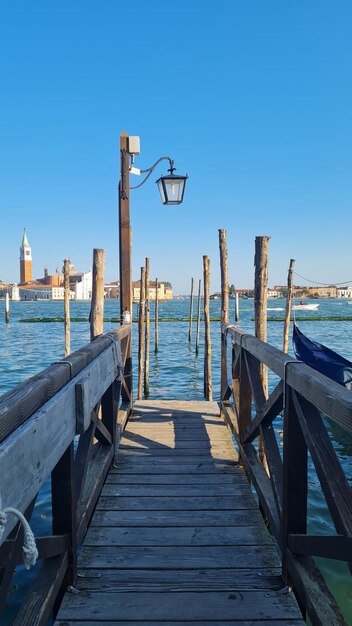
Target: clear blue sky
x,y
251,98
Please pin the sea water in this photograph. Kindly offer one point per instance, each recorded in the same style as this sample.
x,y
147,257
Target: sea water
x,y
175,372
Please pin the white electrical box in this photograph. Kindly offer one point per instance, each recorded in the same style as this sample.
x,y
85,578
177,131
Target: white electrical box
x,y
134,145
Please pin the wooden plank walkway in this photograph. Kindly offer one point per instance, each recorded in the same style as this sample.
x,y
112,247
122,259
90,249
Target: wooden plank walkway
x,y
177,537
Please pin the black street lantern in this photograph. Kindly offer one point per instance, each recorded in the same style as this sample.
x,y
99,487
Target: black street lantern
x,y
171,187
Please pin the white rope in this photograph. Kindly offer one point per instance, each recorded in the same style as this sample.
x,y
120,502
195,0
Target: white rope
x,y
30,552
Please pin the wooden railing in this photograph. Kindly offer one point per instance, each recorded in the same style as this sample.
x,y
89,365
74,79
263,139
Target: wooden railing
x,y
64,423
302,396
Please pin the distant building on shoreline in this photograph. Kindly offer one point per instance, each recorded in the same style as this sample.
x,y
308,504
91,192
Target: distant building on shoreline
x,y
164,292
50,286
326,291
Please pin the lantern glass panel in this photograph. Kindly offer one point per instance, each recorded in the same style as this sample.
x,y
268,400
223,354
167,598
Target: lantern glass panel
x,y
172,189
161,190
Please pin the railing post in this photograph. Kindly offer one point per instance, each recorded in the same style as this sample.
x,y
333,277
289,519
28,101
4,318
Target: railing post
x,y
245,397
64,508
110,408
295,480
235,375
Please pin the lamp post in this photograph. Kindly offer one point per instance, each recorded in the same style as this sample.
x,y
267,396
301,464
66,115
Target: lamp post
x,y
171,188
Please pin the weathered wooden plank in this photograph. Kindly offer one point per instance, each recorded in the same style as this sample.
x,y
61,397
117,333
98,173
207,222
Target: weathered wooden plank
x,y
175,431
189,536
274,462
171,445
135,491
177,423
182,432
193,406
169,466
39,601
239,517
120,580
193,412
139,442
335,547
242,622
48,547
266,413
176,479
187,557
262,485
179,454
93,487
313,592
180,606
150,503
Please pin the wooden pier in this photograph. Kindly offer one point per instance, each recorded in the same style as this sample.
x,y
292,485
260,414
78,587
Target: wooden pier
x,y
154,521
176,536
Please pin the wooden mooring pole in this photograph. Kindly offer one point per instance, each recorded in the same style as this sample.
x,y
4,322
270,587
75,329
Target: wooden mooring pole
x,y
147,329
260,316
288,305
156,348
67,264
208,385
237,307
97,304
191,312
261,297
224,303
7,307
141,335
198,316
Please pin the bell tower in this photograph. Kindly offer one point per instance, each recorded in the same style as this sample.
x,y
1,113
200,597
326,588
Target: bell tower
x,y
25,260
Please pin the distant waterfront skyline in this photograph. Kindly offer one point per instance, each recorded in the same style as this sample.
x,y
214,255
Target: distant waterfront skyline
x,y
298,279
254,104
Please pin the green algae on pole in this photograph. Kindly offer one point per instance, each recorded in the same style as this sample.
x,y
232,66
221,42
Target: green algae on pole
x,y
48,320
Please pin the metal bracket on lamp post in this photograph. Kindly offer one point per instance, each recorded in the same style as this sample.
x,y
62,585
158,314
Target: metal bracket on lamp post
x,y
151,169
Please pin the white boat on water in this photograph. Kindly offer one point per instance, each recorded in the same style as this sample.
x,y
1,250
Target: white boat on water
x,y
302,306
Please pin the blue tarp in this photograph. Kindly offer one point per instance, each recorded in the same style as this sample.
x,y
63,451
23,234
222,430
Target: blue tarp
x,y
322,359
